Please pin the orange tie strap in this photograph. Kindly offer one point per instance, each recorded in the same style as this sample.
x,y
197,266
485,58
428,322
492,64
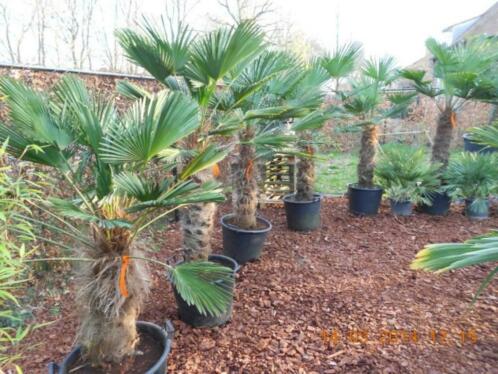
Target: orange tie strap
x,y
125,261
249,169
453,119
216,170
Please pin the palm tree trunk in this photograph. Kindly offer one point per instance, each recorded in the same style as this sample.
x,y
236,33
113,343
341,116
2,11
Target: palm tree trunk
x,y
368,151
305,170
245,191
442,140
108,318
197,223
197,227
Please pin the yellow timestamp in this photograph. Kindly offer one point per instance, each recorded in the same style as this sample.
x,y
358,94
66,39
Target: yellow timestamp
x,y
399,336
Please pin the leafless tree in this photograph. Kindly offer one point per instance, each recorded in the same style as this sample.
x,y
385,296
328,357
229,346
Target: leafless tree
x,y
14,38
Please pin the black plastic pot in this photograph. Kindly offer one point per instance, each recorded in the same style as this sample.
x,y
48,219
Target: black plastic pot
x,y
477,211
364,200
189,313
164,336
243,245
302,215
470,146
440,204
401,208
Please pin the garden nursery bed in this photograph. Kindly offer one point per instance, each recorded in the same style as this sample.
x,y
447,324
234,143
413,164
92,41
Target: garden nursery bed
x,y
340,300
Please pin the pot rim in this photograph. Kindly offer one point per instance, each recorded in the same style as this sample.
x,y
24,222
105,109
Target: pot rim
x,y
356,186
166,335
400,202
241,230
235,268
316,197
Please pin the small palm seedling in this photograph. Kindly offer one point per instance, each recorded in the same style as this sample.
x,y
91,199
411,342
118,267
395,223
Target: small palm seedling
x,y
105,161
406,176
473,177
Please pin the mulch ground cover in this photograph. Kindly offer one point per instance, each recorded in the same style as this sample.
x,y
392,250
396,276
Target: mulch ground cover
x,y
339,300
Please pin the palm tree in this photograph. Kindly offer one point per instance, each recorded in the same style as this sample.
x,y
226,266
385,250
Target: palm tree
x,y
275,100
462,73
479,250
204,68
105,160
366,102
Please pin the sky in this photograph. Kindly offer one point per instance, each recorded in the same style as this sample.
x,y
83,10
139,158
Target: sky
x,y
394,27
385,27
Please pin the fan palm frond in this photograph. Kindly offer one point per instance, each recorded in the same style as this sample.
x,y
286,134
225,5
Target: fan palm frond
x,y
151,127
206,285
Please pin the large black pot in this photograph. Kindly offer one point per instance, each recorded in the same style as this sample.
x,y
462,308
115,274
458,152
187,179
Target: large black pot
x,y
477,211
470,146
191,315
401,208
302,215
163,336
243,245
364,200
440,204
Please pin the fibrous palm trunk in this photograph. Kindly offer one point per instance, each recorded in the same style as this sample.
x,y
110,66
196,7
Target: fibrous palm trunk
x,y
442,141
197,222
305,170
108,317
245,191
368,150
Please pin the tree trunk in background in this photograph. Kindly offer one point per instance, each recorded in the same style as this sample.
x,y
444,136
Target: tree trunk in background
x,y
305,170
245,187
368,150
493,114
197,225
444,134
108,318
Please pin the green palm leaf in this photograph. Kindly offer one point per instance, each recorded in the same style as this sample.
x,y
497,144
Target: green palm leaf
x,y
448,256
31,113
220,51
207,158
139,187
160,51
152,126
206,285
343,61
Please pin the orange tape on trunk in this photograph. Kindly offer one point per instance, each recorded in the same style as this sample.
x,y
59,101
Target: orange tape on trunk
x,y
453,119
125,261
248,171
216,170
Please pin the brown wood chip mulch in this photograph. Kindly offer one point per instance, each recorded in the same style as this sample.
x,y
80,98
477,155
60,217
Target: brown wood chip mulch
x,y
338,300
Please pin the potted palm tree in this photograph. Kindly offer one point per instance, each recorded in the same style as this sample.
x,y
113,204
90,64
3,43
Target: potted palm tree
x,y
461,74
105,161
365,101
302,208
220,71
406,176
473,177
244,232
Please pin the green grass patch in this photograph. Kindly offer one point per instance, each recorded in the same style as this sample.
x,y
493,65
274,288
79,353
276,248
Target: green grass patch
x,y
335,172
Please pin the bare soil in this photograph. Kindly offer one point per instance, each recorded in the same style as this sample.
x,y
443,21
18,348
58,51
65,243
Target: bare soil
x,y
341,299
148,351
